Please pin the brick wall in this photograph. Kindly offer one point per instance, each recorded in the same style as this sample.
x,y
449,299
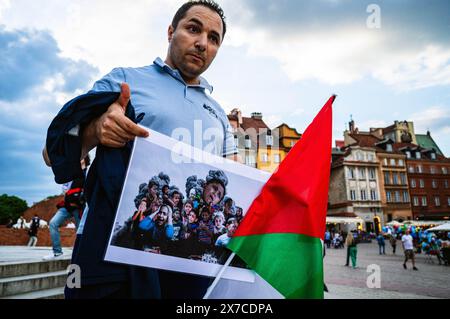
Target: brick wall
x,y
19,237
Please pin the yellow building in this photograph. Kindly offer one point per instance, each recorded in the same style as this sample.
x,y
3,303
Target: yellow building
x,y
274,145
259,146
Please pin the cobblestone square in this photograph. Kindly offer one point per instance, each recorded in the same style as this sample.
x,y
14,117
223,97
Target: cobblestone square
x,y
430,281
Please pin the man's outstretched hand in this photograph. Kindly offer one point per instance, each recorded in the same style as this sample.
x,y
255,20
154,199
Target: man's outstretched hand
x,y
113,128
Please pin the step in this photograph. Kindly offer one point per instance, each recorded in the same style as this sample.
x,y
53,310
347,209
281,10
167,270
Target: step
x,y
16,269
25,284
54,293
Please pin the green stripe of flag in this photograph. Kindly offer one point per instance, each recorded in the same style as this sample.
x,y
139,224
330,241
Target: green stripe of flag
x,y
291,263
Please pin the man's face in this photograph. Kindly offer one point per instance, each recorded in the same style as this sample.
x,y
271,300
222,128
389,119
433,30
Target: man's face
x,y
195,42
213,193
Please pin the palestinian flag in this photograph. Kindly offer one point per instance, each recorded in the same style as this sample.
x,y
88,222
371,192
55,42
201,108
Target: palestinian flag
x,y
280,236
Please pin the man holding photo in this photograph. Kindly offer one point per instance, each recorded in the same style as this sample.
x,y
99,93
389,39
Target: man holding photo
x,y
167,95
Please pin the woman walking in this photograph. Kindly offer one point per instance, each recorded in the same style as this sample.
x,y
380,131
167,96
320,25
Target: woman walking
x,y
351,243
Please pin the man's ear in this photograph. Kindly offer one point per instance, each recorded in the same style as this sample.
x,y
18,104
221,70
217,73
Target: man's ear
x,y
170,33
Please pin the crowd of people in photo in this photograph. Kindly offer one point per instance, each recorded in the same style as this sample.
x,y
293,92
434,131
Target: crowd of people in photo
x,y
197,224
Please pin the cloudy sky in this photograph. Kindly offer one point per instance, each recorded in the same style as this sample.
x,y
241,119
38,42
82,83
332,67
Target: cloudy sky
x,y
283,58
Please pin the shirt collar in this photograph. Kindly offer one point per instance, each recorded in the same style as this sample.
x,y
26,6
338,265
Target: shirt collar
x,y
176,74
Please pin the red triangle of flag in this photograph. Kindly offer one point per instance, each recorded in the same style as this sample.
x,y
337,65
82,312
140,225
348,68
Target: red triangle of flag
x,y
294,199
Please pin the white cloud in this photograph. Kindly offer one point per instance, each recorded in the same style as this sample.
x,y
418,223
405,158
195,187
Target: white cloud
x,y
4,5
436,117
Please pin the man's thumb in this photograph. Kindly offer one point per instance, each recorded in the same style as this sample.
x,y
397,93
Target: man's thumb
x,y
125,95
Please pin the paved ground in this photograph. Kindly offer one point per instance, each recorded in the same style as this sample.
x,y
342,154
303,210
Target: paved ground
x,y
19,254
430,281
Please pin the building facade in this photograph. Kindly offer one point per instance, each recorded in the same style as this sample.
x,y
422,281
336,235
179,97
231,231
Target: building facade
x,y
429,182
354,187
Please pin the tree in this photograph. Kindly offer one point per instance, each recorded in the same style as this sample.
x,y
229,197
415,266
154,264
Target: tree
x,y
11,207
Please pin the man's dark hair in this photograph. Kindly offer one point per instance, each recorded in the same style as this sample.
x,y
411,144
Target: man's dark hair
x,y
181,13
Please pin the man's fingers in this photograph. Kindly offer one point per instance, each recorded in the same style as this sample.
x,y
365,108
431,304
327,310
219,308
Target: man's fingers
x,y
132,128
125,95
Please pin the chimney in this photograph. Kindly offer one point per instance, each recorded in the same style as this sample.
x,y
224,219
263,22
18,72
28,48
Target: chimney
x,y
238,115
257,116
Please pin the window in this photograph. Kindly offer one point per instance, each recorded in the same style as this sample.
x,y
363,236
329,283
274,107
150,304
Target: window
x,y
408,154
387,178
276,158
264,158
385,162
434,183
248,142
437,201
373,194
403,178
351,173
446,183
418,155
444,170
401,163
433,156
388,196
421,183
405,197
395,178
448,201
389,147
413,183
359,156
362,173
424,201
352,194
250,160
372,173
411,169
419,169
416,201
269,140
236,140
370,157
397,196
392,162
363,195
433,170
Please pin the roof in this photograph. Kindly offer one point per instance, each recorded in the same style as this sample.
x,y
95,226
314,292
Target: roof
x,y
340,143
426,141
365,140
249,122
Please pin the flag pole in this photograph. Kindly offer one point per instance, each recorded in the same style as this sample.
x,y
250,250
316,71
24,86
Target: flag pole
x,y
219,276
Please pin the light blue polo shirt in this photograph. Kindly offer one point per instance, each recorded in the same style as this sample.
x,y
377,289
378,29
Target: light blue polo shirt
x,y
171,106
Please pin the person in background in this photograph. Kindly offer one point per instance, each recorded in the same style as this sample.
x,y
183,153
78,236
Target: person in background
x,y
32,232
393,242
351,243
408,247
381,244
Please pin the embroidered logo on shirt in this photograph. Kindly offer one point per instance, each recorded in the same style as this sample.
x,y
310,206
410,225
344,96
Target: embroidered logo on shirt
x,y
210,110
